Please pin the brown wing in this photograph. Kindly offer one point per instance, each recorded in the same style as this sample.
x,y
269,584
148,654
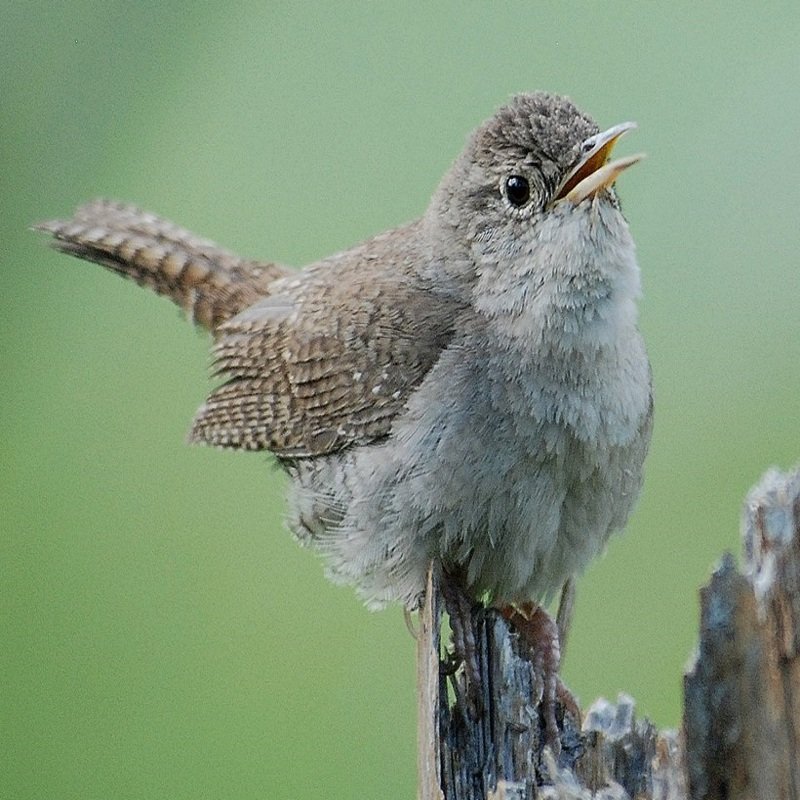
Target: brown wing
x,y
330,358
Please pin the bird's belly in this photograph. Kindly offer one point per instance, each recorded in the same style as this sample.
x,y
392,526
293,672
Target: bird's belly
x,y
478,480
547,518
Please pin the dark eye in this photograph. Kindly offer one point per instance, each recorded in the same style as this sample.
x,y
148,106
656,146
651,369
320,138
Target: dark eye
x,y
518,190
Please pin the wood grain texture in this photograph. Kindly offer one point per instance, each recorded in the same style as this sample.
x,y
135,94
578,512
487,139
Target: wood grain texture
x,y
739,739
500,752
742,694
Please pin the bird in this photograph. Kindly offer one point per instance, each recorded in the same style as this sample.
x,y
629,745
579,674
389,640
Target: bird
x,y
469,391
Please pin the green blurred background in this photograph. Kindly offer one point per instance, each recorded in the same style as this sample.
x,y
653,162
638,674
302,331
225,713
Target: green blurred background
x,y
163,636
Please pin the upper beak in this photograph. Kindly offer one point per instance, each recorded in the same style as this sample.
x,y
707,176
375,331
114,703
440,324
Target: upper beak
x,y
592,174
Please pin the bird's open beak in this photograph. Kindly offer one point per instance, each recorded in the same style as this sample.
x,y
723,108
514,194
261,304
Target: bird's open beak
x,y
592,174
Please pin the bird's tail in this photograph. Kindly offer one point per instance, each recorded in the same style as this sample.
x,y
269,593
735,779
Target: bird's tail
x,y
210,284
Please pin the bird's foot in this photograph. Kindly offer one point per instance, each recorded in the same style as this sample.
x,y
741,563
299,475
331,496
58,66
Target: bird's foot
x,y
539,634
459,609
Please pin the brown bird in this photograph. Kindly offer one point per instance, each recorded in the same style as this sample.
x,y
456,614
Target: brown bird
x,y
469,390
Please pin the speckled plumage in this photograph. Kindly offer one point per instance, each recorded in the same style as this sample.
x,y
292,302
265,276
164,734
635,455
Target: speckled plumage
x,y
470,389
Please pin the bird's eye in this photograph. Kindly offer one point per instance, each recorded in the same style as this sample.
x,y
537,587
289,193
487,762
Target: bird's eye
x,y
518,190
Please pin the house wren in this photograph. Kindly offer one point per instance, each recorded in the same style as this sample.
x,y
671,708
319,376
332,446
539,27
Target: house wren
x,y
470,389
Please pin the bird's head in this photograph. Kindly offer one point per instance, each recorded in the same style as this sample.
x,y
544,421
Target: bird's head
x,y
534,181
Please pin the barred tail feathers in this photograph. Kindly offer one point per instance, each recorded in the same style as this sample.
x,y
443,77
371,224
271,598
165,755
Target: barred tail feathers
x,y
209,283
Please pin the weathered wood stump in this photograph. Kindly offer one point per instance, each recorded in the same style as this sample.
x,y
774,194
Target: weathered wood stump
x,y
741,729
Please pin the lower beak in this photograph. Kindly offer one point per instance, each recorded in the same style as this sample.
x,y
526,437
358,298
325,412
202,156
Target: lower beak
x,y
592,174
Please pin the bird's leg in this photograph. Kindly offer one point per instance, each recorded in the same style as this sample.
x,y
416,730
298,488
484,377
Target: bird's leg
x,y
539,633
566,607
459,609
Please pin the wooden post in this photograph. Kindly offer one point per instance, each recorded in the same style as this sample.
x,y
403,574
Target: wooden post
x,y
429,773
741,729
742,694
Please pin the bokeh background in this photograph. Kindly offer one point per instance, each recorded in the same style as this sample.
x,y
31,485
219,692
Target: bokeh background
x,y
162,635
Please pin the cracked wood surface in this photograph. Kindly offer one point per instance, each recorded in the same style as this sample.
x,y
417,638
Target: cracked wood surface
x,y
740,736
